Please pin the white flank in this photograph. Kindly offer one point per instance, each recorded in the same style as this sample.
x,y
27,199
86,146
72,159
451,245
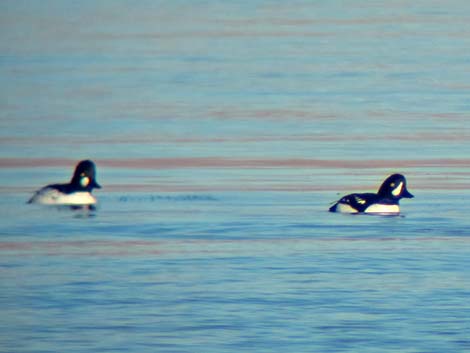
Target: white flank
x,y
50,196
345,208
383,209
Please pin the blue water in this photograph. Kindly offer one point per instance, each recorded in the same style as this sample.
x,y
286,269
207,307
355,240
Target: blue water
x,y
222,132
225,273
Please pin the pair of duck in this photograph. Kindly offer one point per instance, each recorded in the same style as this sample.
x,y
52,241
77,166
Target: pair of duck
x,y
78,193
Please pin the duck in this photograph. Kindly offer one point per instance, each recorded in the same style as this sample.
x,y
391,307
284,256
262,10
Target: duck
x,y
385,201
76,193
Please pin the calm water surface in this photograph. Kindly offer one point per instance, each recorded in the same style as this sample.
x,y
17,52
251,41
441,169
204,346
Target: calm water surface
x,y
222,133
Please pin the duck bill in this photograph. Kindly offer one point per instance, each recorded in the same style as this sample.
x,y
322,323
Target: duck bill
x,y
95,185
407,194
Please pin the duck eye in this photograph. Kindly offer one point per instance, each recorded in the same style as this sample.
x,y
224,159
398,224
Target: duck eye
x,y
392,185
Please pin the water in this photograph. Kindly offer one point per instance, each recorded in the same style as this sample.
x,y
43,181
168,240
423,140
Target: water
x,y
222,133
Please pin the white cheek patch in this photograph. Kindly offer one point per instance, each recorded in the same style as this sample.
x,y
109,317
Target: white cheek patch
x,y
397,191
84,181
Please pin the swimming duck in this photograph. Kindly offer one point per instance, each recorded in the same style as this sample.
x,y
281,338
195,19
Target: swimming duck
x,y
385,201
75,193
